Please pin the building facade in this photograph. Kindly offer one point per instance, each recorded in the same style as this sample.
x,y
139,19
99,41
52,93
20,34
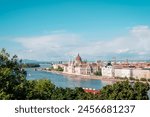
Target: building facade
x,y
108,71
123,73
137,73
141,73
80,67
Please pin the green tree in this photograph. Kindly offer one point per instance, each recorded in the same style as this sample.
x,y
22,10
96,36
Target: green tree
x,y
58,94
59,69
140,90
12,77
125,91
98,73
30,65
40,89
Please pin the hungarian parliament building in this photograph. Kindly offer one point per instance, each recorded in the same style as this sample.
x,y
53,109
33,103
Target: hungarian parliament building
x,y
79,67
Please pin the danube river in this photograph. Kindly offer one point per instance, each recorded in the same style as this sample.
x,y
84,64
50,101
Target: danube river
x,y
63,81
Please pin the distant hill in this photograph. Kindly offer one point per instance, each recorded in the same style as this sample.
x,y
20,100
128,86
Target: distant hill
x,y
36,62
29,61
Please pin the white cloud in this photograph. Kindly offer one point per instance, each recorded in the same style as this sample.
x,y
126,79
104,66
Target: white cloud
x,y
48,47
140,31
61,45
135,43
122,50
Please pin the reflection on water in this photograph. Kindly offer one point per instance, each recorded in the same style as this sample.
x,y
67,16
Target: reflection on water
x,y
63,81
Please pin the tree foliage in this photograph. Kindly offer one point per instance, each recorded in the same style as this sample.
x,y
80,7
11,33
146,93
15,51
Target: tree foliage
x,y
30,65
40,89
98,73
12,77
59,69
125,91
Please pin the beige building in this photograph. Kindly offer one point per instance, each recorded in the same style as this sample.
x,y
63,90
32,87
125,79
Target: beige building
x,y
79,67
141,73
123,73
117,70
134,73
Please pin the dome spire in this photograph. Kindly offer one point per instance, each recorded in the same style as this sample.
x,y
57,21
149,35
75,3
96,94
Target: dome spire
x,y
78,59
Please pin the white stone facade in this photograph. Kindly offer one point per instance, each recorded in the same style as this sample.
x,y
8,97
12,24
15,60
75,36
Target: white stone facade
x,y
108,71
123,73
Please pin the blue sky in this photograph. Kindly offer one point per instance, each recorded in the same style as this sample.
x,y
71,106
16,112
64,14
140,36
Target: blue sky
x,y
58,29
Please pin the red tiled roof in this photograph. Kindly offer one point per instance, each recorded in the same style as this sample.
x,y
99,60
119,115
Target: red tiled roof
x,y
92,91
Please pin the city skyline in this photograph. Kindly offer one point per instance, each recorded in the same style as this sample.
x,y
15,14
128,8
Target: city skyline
x,y
57,30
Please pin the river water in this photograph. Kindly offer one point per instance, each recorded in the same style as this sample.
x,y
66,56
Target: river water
x,y
64,81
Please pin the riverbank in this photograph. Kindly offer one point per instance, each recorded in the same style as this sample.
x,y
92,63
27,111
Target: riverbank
x,y
108,80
